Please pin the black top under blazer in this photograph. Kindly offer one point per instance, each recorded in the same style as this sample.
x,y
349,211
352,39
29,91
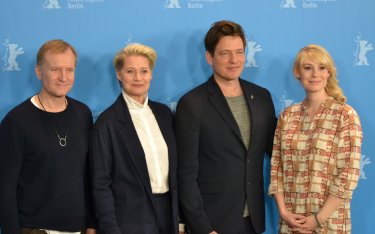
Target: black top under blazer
x,y
216,173
121,185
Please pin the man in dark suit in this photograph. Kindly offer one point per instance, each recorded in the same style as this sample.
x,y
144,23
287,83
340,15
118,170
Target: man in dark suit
x,y
223,129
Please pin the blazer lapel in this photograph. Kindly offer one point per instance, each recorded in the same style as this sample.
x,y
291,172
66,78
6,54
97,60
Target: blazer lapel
x,y
132,143
219,102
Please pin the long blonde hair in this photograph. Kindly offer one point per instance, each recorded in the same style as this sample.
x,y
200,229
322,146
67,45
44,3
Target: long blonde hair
x,y
321,55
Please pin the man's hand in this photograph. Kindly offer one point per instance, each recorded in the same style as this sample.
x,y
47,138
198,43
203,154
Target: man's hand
x,y
90,231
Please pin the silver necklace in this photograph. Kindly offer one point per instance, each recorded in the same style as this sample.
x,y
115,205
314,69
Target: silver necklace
x,y
62,140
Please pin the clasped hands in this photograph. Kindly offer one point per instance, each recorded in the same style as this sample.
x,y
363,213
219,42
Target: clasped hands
x,y
299,223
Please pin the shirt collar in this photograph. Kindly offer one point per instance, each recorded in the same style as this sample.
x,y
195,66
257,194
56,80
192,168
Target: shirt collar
x,y
133,104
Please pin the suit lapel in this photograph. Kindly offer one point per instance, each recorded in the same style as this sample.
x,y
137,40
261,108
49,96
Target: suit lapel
x,y
132,143
219,102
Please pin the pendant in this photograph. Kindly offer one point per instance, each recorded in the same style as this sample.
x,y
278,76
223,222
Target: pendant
x,y
62,141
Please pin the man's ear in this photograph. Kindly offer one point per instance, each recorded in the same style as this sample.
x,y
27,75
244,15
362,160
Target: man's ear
x,y
209,58
38,72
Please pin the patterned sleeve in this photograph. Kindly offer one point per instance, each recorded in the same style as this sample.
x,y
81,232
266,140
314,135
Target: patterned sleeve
x,y
276,178
348,154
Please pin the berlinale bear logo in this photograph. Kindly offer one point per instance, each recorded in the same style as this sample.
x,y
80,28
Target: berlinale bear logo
x,y
285,102
364,161
287,4
172,4
51,4
252,49
11,54
363,47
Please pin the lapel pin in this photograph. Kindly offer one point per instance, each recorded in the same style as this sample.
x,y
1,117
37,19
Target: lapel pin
x,y
252,97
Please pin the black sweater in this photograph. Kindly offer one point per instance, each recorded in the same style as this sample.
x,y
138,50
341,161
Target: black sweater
x,y
44,185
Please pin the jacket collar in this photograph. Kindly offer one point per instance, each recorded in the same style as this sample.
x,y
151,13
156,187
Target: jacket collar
x,y
218,100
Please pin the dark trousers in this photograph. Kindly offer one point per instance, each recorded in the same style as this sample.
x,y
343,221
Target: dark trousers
x,y
36,231
164,212
246,226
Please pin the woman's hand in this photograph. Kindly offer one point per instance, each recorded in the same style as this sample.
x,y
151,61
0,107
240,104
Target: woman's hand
x,y
310,225
294,221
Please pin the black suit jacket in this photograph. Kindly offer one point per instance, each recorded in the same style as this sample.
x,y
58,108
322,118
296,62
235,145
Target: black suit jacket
x,y
216,174
121,185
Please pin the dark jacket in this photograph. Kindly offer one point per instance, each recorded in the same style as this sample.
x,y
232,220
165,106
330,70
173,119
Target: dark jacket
x,y
121,185
216,173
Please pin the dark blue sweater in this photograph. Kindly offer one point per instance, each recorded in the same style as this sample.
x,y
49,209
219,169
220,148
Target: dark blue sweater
x,y
44,185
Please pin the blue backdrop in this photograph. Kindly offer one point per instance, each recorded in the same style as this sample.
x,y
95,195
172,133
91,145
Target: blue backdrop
x,y
275,30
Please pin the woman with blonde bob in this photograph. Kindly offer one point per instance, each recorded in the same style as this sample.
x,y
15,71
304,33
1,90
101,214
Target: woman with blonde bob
x,y
316,155
133,154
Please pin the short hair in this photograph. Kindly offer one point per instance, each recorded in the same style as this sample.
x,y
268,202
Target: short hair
x,y
56,46
321,56
134,49
221,29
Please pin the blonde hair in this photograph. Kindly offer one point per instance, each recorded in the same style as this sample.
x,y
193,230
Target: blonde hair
x,y
321,56
56,46
134,49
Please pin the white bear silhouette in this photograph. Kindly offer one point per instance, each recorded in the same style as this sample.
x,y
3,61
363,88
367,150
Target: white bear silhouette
x,y
364,161
172,4
285,101
288,4
252,49
13,53
52,4
364,47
